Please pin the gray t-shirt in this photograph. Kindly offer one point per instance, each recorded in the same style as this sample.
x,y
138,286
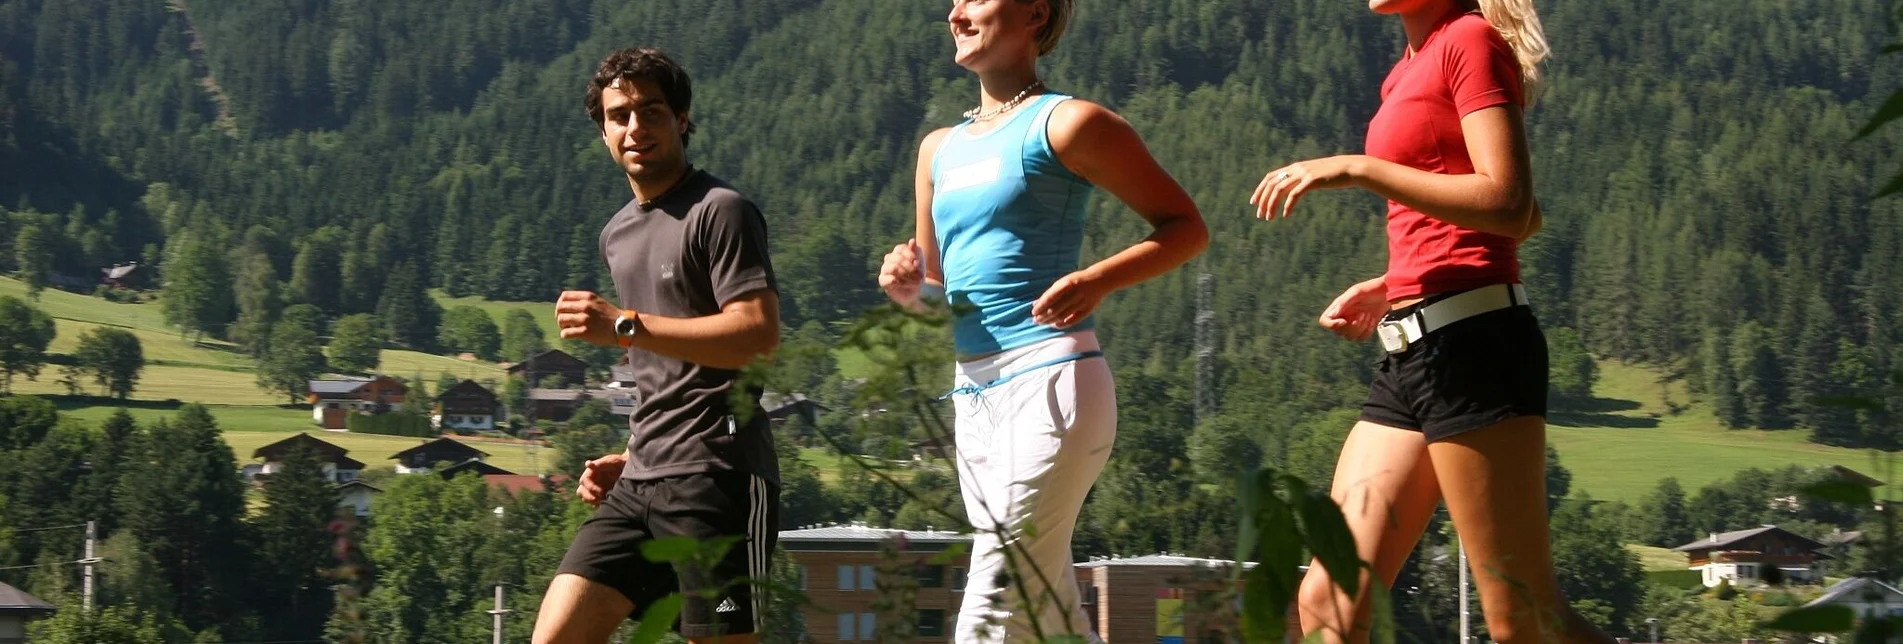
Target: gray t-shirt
x,y
685,255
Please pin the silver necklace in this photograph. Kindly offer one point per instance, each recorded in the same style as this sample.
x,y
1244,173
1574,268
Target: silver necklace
x,y
979,116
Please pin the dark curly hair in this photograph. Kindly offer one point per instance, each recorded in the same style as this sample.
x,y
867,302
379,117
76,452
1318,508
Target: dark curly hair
x,y
643,63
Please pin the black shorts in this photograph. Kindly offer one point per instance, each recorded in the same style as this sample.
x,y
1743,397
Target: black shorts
x,y
1464,376
607,549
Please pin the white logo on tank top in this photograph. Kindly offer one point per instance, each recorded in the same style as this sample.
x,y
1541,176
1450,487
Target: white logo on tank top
x,y
667,271
972,174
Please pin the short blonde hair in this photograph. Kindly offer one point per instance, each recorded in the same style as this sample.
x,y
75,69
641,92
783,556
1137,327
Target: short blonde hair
x,y
1054,27
1520,26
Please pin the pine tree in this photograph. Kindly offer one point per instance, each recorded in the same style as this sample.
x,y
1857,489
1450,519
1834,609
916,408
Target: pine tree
x,y
259,299
294,536
198,284
1719,383
1664,520
1760,373
408,312
182,498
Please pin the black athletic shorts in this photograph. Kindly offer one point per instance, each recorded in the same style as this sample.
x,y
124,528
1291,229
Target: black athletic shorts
x,y
1464,376
607,549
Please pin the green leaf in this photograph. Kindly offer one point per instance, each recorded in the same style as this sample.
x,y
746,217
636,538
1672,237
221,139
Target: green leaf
x,y
1328,537
715,549
1246,494
1383,632
951,554
658,620
1840,491
1891,49
1260,617
1892,109
670,550
1270,586
1814,619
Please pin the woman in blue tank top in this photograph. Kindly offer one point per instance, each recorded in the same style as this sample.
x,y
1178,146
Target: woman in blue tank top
x,y
1000,219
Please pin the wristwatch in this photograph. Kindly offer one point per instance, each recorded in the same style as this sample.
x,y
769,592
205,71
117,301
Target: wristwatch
x,y
626,327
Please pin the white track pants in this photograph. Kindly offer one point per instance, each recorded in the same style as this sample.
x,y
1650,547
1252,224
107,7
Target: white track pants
x,y
1028,451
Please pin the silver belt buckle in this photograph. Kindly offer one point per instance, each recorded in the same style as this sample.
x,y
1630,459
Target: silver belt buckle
x,y
1393,337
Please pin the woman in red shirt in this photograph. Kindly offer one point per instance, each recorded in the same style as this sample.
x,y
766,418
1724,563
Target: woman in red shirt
x,y
1457,410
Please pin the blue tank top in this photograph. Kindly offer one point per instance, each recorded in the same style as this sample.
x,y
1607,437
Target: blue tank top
x,y
1009,218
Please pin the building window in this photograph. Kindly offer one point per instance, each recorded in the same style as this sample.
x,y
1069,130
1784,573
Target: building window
x,y
868,626
867,578
845,577
931,622
802,576
846,623
330,405
958,579
931,577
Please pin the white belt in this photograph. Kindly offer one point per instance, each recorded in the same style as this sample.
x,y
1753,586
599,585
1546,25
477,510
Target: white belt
x,y
1397,335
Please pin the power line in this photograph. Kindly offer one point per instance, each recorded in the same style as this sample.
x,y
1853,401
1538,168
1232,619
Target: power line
x,y
56,563
51,527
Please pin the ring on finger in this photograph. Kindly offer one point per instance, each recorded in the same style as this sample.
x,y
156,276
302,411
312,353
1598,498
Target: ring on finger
x,y
1281,175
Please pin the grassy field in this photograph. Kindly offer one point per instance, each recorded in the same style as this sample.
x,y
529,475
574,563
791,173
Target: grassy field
x,y
1651,558
544,312
1630,440
166,382
375,451
233,419
409,364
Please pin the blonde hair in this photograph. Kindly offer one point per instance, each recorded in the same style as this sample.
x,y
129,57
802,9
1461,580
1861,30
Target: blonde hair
x,y
1054,27
1520,26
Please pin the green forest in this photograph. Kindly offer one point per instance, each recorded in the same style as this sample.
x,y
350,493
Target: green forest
x,y
1707,212
285,171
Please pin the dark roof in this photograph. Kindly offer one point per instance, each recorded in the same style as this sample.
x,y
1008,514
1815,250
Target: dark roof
x,y
473,465
442,446
1854,476
550,360
359,483
274,450
467,388
336,387
14,601
1723,539
560,395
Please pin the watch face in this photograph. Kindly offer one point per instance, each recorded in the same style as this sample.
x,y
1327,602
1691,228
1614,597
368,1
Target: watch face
x,y
625,326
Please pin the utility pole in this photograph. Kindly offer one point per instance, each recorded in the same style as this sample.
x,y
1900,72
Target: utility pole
x,y
90,559
499,612
1465,617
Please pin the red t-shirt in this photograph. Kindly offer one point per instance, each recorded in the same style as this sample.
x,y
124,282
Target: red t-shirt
x,y
1463,66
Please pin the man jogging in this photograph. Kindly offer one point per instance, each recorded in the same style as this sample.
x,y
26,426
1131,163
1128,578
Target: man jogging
x,y
689,259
